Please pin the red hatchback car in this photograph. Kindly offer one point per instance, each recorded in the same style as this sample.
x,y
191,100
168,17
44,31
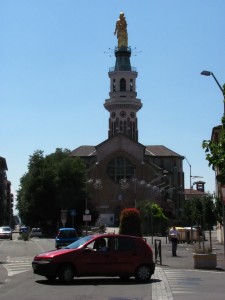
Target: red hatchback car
x,y
98,255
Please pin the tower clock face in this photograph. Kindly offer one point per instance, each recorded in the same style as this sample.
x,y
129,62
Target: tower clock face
x,y
132,114
113,114
123,114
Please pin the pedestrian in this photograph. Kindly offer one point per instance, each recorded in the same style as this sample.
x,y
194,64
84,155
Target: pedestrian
x,y
174,237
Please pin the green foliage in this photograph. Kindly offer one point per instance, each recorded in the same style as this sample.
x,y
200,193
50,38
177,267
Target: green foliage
x,y
130,222
202,211
153,216
215,154
52,183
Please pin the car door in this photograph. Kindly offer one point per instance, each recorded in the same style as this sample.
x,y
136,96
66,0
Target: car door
x,y
124,255
94,262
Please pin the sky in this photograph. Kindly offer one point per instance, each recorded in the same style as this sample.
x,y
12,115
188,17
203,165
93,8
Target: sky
x,y
54,61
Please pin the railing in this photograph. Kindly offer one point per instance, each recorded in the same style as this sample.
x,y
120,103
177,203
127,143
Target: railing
x,y
113,69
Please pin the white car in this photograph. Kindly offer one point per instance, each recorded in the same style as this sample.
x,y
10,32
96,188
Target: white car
x,y
35,232
5,232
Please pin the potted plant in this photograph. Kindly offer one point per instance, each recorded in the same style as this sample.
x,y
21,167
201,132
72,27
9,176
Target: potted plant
x,y
204,258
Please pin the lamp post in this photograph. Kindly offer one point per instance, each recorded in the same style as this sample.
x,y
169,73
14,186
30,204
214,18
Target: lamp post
x,y
191,176
209,73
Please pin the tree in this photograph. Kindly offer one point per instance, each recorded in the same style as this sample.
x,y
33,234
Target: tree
x,y
203,212
53,183
154,217
215,154
210,215
130,222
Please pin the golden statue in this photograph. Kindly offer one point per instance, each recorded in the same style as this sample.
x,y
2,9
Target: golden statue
x,y
121,30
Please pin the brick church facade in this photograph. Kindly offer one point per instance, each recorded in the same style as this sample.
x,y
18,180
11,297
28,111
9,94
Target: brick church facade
x,y
121,171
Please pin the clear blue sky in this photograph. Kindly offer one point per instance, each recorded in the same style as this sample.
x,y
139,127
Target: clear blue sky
x,y
54,75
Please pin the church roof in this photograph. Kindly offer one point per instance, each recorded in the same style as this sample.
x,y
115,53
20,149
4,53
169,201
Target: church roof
x,y
160,150
84,151
154,150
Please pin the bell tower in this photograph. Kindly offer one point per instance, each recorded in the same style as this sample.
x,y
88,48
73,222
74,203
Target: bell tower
x,y
123,104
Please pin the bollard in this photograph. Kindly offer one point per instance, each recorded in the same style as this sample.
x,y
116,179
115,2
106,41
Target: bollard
x,y
158,252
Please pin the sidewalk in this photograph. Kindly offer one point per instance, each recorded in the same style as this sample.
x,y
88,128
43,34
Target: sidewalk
x,y
184,259
161,289
185,251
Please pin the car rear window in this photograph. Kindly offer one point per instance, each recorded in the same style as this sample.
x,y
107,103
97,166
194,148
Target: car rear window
x,y
67,234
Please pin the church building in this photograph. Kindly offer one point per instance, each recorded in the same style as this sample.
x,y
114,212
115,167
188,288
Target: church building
x,y
122,172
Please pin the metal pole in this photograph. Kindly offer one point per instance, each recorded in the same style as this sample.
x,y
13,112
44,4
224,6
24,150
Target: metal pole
x,y
190,172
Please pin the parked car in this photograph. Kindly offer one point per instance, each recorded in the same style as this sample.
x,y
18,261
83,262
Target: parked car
x,y
5,232
124,256
65,237
36,232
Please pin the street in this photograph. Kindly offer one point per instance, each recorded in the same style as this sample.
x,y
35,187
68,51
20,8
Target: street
x,y
17,280
175,279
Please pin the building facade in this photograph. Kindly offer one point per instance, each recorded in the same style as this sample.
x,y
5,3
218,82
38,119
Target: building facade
x,y
6,197
122,172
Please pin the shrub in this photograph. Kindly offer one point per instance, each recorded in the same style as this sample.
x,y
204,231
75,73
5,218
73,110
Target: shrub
x,y
130,222
24,236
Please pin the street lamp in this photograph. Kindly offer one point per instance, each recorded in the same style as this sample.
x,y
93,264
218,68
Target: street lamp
x,y
191,176
209,73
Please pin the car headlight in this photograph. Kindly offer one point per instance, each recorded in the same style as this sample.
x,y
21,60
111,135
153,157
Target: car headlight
x,y
44,260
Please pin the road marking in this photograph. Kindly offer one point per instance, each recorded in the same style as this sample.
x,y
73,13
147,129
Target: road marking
x,y
160,286
17,265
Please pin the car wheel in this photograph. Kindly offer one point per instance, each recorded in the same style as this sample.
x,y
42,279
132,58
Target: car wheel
x,y
66,274
143,273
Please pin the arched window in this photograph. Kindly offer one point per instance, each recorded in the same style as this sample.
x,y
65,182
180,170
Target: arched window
x,y
114,85
122,85
131,85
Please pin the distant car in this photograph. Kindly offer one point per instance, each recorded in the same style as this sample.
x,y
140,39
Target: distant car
x,y
123,256
65,237
36,232
23,229
5,232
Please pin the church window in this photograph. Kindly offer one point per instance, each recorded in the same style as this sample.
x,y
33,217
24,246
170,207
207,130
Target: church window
x,y
123,114
114,85
120,168
122,85
131,85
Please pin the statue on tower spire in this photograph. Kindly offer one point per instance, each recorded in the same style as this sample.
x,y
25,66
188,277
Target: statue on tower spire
x,y
121,30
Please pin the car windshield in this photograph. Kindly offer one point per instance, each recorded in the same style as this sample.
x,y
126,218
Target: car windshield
x,y
6,229
79,242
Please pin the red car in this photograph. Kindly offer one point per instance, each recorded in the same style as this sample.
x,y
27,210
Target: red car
x,y
98,255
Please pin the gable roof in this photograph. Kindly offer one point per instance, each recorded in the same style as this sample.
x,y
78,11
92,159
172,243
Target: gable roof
x,y
160,150
84,151
150,150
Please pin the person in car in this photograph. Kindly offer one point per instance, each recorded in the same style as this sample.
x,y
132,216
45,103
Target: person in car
x,y
100,245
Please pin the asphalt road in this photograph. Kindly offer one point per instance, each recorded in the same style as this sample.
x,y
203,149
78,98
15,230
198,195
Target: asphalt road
x,y
175,279
17,280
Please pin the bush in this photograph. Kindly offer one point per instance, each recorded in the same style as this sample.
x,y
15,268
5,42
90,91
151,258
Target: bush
x,y
130,222
24,236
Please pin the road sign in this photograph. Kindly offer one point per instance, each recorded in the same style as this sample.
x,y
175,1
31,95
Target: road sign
x,y
86,217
